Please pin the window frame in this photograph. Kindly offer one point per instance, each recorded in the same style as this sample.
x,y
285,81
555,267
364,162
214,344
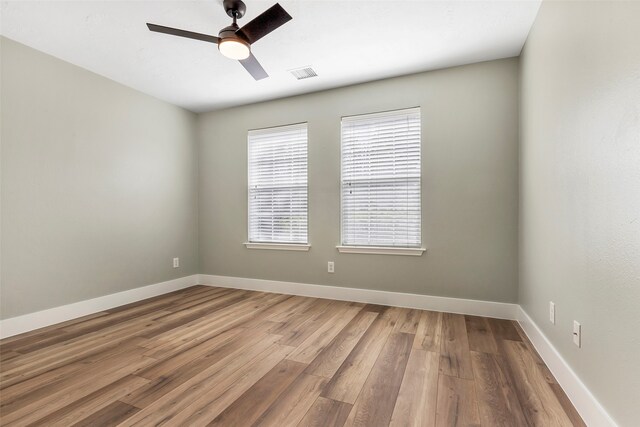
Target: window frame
x,y
377,249
276,245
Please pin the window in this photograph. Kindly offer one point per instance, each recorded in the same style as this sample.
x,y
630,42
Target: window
x,y
381,180
278,185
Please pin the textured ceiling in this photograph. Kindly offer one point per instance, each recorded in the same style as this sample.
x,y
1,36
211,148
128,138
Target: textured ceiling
x,y
346,42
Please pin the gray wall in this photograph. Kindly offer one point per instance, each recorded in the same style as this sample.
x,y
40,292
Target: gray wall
x,y
580,191
98,185
470,190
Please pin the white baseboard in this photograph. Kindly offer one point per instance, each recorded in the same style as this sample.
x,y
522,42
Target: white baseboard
x,y
424,302
586,404
591,411
28,322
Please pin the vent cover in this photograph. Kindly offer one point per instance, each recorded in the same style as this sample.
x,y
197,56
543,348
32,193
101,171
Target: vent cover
x,y
303,73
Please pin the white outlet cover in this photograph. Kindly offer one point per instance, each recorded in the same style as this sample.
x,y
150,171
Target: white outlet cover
x,y
330,267
552,312
577,333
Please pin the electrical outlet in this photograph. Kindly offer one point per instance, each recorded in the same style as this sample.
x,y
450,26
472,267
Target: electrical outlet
x,y
330,267
176,262
552,312
577,333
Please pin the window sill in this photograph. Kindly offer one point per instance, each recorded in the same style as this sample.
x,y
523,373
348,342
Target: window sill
x,y
278,246
380,250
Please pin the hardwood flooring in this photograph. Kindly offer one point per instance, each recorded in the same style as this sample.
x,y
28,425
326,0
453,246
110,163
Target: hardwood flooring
x,y
207,356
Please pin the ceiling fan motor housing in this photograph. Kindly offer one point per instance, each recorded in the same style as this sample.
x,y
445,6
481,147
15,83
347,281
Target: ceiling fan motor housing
x,y
234,8
235,42
229,33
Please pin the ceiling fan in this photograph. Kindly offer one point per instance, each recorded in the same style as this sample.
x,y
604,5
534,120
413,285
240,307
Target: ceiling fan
x,y
235,42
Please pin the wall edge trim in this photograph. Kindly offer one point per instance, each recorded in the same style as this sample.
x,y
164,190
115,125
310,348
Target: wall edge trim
x,y
589,408
39,319
398,299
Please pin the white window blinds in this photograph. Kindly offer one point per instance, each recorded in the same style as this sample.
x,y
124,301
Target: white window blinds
x,y
278,184
381,179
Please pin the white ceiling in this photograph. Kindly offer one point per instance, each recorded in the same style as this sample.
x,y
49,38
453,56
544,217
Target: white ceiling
x,y
345,41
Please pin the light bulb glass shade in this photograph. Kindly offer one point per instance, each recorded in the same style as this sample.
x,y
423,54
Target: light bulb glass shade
x,y
234,49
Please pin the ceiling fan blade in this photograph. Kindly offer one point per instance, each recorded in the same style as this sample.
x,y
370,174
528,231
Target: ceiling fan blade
x,y
183,33
264,23
254,68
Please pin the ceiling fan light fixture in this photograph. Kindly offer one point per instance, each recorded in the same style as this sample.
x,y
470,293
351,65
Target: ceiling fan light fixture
x,y
235,42
234,49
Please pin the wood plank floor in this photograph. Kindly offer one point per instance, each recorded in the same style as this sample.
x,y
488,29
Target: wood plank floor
x,y
207,356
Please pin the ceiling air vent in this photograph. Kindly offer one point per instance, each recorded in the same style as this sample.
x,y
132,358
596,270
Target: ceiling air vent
x,y
303,73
